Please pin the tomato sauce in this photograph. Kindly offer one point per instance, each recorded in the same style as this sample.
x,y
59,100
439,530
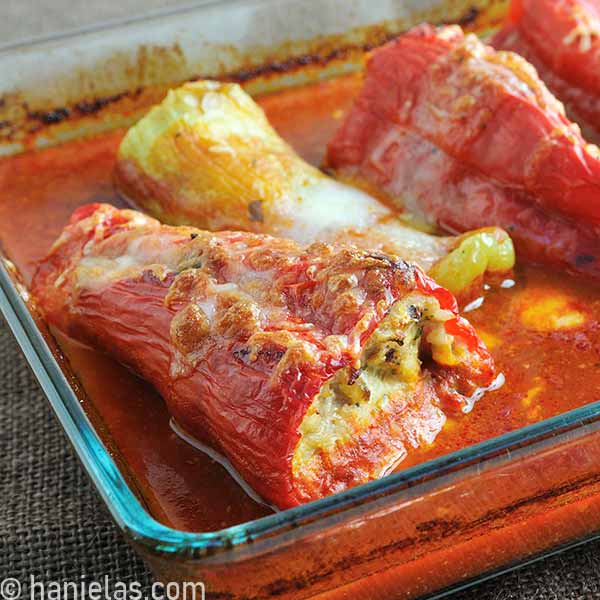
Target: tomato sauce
x,y
543,328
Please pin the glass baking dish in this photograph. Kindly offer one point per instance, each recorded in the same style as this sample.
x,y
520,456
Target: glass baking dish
x,y
422,532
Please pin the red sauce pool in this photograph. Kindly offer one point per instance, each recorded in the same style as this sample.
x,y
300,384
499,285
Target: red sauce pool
x,y
547,371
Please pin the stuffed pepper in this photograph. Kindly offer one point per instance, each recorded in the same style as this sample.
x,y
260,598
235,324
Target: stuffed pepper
x,y
311,369
562,40
207,156
470,137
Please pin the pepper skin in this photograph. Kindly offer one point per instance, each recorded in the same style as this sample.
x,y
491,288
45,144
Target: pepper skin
x,y
471,137
561,39
310,369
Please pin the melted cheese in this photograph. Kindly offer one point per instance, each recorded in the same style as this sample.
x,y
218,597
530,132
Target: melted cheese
x,y
325,206
155,253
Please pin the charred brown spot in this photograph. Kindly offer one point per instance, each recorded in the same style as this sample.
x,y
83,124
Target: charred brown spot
x,y
271,354
584,259
380,260
390,355
277,256
88,107
217,254
240,320
255,211
353,375
470,16
352,393
291,64
242,354
189,328
189,283
414,313
52,116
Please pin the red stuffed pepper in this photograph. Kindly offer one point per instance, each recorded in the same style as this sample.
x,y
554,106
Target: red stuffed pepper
x,y
561,38
310,369
471,137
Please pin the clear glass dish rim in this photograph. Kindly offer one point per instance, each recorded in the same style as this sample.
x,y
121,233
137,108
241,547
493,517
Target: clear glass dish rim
x,y
127,511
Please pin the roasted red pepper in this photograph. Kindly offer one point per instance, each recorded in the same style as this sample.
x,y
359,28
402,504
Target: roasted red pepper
x,y
561,38
311,370
471,137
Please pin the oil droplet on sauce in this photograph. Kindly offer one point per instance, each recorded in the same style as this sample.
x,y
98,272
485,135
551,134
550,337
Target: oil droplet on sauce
x,y
550,312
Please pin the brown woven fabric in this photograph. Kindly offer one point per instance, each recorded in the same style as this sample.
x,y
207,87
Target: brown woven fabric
x,y
52,523
54,526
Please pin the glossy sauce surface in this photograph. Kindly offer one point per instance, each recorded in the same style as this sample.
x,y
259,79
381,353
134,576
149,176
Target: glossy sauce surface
x,y
544,331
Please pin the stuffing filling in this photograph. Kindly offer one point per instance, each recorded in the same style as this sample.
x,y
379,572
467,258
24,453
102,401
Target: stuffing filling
x,y
393,363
